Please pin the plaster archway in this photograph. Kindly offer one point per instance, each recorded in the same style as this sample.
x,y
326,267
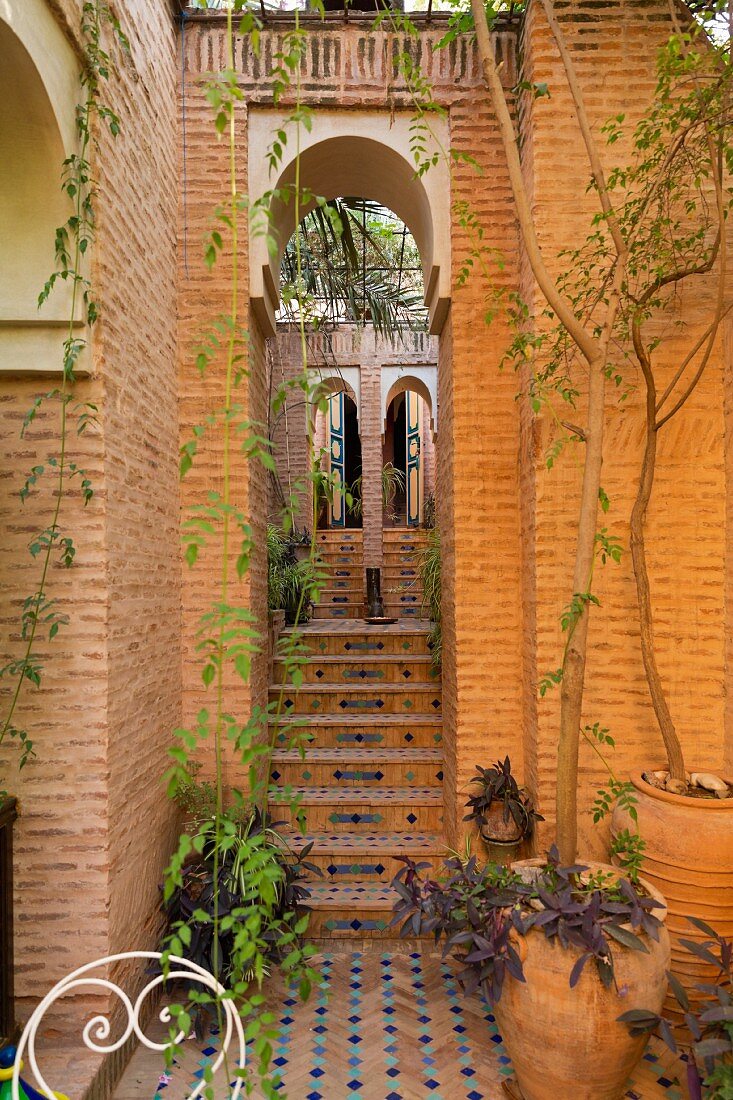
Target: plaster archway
x,y
36,134
356,153
425,384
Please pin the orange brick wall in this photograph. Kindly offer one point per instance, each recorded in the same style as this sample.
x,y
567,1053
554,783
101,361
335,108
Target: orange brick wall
x,y
95,829
686,523
507,523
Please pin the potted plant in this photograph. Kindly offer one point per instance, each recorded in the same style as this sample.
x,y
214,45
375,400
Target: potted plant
x,y
502,810
289,577
558,952
708,1048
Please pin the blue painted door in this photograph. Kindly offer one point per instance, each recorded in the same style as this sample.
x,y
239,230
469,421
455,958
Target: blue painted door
x,y
336,436
412,422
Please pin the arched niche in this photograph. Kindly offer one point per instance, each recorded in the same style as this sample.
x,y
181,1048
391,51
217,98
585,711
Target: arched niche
x,y
348,381
424,383
39,89
365,154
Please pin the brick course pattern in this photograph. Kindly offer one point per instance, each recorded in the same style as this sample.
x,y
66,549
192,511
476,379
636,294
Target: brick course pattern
x,y
95,829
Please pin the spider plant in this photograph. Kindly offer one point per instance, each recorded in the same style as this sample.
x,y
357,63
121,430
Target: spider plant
x,y
430,576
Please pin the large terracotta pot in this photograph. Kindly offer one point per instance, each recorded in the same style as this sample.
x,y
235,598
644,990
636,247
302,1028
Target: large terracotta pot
x,y
689,859
567,1042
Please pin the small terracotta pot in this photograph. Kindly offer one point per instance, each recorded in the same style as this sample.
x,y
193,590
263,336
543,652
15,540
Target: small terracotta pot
x,y
497,829
567,1042
503,852
689,859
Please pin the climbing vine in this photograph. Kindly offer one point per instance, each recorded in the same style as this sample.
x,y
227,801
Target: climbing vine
x,y
41,615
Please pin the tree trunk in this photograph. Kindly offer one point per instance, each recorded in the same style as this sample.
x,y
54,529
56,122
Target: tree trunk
x,y
571,688
672,745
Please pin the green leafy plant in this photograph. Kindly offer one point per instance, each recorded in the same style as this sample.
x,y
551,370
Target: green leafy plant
x,y
289,579
430,575
393,482
627,846
497,787
41,616
477,911
709,1021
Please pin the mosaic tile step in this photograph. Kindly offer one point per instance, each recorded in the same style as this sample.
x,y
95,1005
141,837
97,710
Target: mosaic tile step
x,y
345,611
361,699
332,731
352,637
341,581
350,593
343,857
350,767
348,910
335,669
360,809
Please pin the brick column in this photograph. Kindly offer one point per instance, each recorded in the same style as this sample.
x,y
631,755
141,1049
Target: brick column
x,y
370,427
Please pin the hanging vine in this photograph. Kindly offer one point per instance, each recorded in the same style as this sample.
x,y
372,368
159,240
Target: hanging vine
x,y
41,615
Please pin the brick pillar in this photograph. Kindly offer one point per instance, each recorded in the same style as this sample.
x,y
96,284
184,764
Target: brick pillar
x,y
370,427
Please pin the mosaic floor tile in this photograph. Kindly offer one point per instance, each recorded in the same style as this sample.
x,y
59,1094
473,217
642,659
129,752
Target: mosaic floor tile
x,y
384,1025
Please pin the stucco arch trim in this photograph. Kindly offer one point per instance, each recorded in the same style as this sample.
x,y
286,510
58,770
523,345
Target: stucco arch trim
x,y
361,153
420,380
347,380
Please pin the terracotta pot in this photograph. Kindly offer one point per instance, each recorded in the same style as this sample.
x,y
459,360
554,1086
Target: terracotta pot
x,y
503,852
689,859
496,828
567,1042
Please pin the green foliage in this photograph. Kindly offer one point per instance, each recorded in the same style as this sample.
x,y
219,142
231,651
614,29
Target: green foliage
x,y
430,575
627,846
358,264
41,619
393,482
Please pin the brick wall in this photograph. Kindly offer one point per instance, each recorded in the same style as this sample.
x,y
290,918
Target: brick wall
x,y
686,521
95,828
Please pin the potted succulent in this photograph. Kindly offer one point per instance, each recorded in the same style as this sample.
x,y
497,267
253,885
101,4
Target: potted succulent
x,y
708,1017
559,952
502,810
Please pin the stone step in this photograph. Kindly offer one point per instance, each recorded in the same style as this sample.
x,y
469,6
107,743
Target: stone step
x,y
337,589
361,909
402,543
334,731
359,639
343,857
384,699
352,767
354,559
360,809
393,668
338,611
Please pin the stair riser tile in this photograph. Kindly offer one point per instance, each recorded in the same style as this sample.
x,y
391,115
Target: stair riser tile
x,y
348,868
362,703
345,611
356,672
333,924
367,737
341,582
304,774
355,645
363,818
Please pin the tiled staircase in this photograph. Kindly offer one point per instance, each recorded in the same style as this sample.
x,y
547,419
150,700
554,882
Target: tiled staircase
x,y
370,782
401,584
342,563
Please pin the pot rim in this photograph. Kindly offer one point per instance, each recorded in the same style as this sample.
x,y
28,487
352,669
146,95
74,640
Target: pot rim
x,y
595,864
707,805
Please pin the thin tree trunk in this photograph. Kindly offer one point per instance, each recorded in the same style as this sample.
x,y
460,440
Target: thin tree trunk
x,y
571,688
643,593
595,352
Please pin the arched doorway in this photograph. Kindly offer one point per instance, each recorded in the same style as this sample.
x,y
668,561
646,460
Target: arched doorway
x,y
408,454
336,436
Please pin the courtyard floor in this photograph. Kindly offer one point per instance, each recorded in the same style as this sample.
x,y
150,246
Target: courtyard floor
x,y
385,1025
